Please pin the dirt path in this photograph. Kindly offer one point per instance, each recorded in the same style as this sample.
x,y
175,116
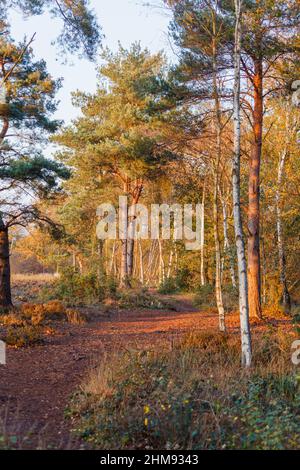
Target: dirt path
x,y
36,383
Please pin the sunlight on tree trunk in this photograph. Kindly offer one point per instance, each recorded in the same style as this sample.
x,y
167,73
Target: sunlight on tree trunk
x,y
254,274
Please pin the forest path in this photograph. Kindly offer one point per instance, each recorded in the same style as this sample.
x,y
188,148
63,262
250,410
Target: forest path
x,y
37,382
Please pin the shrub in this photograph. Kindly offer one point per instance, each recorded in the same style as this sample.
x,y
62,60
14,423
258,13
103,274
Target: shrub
x,y
230,297
75,317
140,299
20,336
75,288
267,416
11,319
296,322
205,297
185,279
168,286
40,313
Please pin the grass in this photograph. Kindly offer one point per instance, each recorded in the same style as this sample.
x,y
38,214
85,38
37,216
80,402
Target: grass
x,y
195,396
42,277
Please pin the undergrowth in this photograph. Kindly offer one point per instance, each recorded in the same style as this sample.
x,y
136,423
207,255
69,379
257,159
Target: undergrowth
x,y
74,288
195,396
27,324
141,299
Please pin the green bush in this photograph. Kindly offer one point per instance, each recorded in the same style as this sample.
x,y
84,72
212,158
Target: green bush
x,y
140,299
205,296
168,286
267,416
75,288
184,279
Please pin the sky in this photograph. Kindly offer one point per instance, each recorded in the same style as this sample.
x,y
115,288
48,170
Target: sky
x,y
126,21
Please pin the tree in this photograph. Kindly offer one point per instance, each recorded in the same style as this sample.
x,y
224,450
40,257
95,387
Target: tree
x,y
25,174
269,33
201,32
121,134
239,238
268,42
80,29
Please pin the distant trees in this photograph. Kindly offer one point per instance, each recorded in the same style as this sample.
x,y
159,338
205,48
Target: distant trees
x,y
121,134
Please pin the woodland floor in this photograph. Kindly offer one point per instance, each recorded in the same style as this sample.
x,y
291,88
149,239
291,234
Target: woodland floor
x,y
37,382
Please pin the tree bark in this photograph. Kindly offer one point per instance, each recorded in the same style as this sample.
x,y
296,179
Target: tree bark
x,y
161,263
124,279
246,348
218,287
286,299
227,247
112,261
124,282
5,284
131,242
170,264
141,262
254,280
202,272
218,129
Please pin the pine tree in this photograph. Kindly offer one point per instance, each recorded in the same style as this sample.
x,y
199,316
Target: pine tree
x,y
80,32
121,134
27,103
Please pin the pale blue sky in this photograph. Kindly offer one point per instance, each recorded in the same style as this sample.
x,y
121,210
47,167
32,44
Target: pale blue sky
x,y
122,20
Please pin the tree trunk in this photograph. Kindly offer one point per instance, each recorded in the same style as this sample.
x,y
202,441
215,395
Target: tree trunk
x,y
170,263
112,262
124,279
130,257
141,262
202,272
239,239
286,299
254,196
218,287
5,285
227,247
124,282
161,263
131,229
218,129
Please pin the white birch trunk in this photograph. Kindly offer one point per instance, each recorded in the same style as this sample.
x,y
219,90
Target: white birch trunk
x,y
218,286
286,300
239,239
227,247
170,263
141,262
161,263
112,258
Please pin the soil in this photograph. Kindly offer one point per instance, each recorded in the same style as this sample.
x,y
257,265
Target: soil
x,y
37,382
